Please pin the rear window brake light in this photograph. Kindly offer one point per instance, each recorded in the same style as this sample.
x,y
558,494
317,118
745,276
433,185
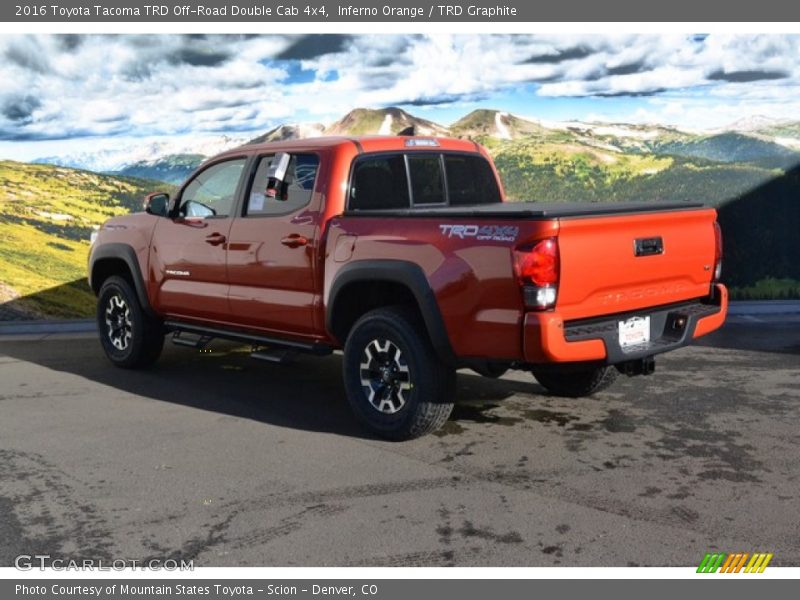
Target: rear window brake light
x,y
416,142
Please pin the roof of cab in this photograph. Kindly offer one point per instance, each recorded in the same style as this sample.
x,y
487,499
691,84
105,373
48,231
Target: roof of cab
x,y
365,143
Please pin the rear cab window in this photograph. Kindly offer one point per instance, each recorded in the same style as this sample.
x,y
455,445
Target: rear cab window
x,y
417,179
427,179
470,180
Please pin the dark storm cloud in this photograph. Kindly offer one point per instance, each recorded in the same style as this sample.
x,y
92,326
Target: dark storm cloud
x,y
379,81
746,76
21,109
31,58
199,57
560,56
637,94
222,38
153,54
628,69
308,47
136,71
111,119
436,100
69,41
545,79
603,72
213,104
244,85
383,61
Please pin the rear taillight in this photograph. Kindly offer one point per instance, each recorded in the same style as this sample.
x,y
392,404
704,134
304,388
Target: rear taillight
x,y
537,269
717,252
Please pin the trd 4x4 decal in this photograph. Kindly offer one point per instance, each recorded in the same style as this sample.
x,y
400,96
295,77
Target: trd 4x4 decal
x,y
494,233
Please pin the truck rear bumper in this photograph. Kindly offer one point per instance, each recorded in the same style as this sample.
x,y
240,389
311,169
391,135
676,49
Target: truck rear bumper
x,y
547,338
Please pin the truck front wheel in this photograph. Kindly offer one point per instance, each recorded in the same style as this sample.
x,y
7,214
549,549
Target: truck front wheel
x,y
395,382
131,339
575,382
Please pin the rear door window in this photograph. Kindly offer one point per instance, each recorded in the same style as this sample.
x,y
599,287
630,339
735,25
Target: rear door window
x,y
295,193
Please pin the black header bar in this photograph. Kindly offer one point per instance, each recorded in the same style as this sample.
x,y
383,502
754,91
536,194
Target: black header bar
x,y
405,11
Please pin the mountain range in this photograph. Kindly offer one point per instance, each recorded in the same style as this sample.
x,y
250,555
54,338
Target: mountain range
x,y
758,142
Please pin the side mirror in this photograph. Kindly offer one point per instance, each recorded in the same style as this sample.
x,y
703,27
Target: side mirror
x,y
276,175
156,203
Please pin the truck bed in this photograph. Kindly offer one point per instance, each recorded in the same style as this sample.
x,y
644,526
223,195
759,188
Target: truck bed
x,y
530,210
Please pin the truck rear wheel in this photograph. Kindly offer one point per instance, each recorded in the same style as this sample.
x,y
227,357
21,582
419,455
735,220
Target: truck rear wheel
x,y
131,339
395,382
576,383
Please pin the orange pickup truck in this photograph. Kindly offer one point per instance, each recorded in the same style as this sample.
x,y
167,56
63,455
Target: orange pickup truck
x,y
402,252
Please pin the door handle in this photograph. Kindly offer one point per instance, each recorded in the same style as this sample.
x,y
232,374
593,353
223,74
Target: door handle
x,y
294,241
215,239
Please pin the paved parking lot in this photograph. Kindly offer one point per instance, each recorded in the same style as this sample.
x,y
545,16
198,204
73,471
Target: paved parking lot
x,y
227,461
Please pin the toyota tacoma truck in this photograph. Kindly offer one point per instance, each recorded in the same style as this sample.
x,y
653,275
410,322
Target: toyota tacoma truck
x,y
402,252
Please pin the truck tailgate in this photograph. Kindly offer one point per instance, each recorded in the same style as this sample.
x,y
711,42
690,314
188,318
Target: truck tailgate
x,y
619,263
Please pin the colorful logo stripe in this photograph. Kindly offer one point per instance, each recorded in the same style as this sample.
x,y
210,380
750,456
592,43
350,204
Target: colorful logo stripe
x,y
735,563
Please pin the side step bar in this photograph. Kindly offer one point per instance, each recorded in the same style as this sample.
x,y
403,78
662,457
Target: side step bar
x,y
204,335
198,341
277,356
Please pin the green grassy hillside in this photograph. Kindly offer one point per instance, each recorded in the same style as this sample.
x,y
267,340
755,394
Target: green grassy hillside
x,y
553,171
47,215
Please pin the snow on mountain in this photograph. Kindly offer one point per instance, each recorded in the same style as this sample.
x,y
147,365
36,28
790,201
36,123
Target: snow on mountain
x,y
752,123
493,123
386,126
121,153
502,128
793,143
644,131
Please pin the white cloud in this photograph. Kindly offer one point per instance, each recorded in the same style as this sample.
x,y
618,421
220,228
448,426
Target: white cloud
x,y
69,86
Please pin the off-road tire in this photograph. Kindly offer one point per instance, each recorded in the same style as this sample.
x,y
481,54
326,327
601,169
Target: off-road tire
x,y
576,383
421,396
138,339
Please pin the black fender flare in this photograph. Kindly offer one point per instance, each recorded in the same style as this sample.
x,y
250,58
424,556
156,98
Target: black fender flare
x,y
125,253
407,274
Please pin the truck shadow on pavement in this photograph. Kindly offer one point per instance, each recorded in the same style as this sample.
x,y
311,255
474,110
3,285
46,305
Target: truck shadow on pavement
x,y
305,394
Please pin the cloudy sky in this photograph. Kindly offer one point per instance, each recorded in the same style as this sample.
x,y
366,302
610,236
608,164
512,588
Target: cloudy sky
x,y
68,91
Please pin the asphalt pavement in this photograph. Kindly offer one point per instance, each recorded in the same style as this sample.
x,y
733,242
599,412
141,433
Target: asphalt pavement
x,y
216,458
